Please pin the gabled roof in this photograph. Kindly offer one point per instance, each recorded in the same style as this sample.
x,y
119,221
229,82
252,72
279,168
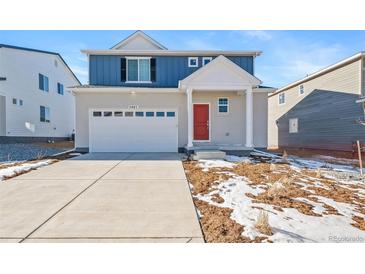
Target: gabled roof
x,y
45,52
143,37
219,73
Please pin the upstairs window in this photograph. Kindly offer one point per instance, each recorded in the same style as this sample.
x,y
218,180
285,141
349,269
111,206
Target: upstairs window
x,y
206,60
301,89
59,88
282,98
193,62
138,69
45,114
43,82
223,105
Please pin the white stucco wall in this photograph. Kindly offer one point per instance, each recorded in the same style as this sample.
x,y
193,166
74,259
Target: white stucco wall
x,y
21,69
225,129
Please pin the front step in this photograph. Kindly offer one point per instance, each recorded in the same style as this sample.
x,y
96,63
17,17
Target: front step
x,y
209,154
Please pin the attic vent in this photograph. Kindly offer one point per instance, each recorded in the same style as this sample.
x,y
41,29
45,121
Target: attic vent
x,y
55,63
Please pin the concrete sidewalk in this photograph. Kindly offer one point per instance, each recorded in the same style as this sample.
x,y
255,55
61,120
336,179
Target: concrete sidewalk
x,y
101,197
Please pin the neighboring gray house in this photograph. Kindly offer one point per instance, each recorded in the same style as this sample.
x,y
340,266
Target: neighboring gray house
x,y
320,110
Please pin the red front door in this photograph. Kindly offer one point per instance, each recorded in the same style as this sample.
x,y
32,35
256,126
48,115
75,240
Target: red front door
x,y
201,122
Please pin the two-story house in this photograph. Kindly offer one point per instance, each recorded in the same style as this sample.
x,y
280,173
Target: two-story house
x,y
143,97
320,111
35,104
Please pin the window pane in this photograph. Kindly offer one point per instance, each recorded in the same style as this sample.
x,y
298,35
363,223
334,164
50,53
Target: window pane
x,y
41,83
108,113
223,109
223,101
47,114
97,113
170,114
128,114
14,101
139,113
42,114
160,114
150,114
144,70
118,113
132,70
46,88
20,102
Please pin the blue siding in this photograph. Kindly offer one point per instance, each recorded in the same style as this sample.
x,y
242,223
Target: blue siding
x,y
105,70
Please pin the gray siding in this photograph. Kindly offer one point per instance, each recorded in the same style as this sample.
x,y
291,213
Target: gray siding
x,y
326,120
106,70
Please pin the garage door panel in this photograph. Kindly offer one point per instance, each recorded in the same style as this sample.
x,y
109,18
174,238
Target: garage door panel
x,y
133,134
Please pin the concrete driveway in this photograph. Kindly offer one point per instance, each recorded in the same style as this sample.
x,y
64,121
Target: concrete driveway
x,y
101,197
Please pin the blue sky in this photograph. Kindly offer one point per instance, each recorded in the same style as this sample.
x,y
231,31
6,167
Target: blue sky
x,y
287,55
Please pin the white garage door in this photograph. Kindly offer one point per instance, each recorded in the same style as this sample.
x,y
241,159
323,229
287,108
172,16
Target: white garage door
x,y
133,131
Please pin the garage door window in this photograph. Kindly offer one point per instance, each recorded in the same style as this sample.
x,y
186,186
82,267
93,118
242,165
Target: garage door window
x,y
160,114
150,114
170,114
97,113
139,113
118,113
129,114
108,113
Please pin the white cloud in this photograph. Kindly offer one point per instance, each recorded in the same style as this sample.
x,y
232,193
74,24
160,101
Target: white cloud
x,y
296,60
199,44
258,34
81,73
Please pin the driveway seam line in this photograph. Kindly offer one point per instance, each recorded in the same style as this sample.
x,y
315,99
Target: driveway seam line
x,y
73,199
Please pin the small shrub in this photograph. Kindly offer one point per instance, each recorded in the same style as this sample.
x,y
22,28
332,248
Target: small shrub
x,y
262,223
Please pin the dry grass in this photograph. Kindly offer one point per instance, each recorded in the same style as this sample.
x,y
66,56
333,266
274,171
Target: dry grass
x,y
262,223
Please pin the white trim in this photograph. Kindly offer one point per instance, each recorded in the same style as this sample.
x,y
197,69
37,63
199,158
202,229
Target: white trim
x,y
138,59
223,113
114,89
206,58
193,58
172,52
210,123
281,94
142,34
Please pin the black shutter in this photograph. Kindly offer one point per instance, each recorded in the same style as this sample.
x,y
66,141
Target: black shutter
x,y
153,69
123,70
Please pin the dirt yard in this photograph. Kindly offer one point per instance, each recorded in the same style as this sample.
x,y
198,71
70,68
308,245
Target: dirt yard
x,y
296,200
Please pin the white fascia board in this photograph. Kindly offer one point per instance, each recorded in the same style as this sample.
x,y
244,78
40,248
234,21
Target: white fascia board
x,y
190,53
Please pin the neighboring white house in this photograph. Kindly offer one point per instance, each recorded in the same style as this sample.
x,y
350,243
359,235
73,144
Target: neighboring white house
x,y
143,97
34,99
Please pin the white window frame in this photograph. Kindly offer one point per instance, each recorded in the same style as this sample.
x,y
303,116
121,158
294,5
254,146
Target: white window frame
x,y
283,94
223,113
206,58
139,58
301,89
197,62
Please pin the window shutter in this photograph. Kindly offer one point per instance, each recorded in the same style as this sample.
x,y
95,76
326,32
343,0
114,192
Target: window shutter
x,y
123,70
153,69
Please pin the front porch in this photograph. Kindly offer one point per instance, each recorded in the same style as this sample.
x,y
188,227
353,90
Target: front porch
x,y
232,131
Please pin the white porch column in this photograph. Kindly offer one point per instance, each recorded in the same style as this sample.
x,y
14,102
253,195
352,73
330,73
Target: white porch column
x,y
249,117
189,93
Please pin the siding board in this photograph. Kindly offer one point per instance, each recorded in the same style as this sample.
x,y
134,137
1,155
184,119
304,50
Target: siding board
x,y
105,70
330,124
